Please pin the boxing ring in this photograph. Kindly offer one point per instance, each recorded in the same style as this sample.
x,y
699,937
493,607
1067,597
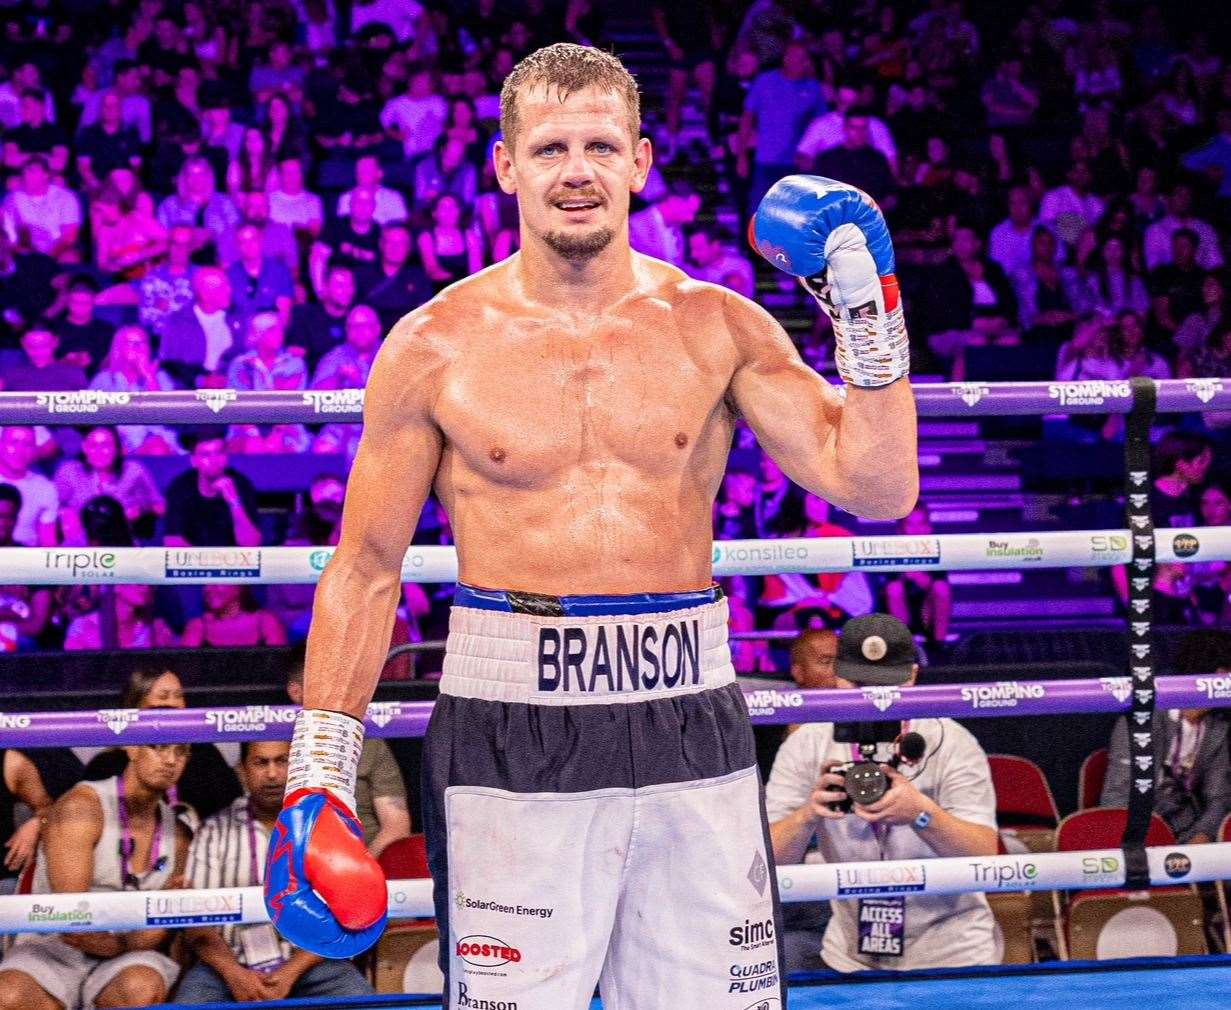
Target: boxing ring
x,y
1168,983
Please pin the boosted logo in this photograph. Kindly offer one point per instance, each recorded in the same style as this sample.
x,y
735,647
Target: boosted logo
x,y
486,951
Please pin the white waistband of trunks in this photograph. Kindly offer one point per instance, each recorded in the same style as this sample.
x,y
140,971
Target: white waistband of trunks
x,y
501,656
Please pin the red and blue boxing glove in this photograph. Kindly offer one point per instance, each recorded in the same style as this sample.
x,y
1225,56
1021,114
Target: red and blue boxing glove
x,y
833,237
323,890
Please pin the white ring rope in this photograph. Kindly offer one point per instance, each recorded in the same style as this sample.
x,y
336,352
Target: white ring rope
x,y
70,566
412,899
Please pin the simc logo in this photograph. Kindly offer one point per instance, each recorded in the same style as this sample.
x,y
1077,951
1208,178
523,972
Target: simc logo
x,y
486,951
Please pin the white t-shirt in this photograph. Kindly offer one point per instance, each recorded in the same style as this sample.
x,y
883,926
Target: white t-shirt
x,y
940,930
1010,247
218,337
399,16
390,206
295,210
39,504
1157,242
44,216
829,131
419,120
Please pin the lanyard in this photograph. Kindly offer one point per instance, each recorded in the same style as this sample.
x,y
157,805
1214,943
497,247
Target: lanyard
x,y
879,831
128,844
253,871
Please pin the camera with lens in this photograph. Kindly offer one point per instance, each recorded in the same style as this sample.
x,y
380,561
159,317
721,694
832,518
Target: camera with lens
x,y
863,780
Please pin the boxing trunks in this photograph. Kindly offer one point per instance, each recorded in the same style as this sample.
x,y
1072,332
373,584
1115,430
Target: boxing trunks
x,y
593,809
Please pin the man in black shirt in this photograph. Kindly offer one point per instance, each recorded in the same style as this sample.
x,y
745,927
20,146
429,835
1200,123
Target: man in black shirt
x,y
36,135
211,504
856,162
394,286
353,240
1175,287
319,327
84,340
26,290
107,144
1182,461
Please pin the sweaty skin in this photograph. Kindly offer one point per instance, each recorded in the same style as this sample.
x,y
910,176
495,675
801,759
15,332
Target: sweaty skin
x,y
574,415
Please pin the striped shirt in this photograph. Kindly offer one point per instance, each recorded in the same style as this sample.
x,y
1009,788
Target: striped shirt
x,y
221,855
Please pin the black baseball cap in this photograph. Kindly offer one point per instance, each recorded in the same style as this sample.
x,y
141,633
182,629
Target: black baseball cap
x,y
875,650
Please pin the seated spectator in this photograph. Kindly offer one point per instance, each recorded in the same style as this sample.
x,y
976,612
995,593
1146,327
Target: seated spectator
x,y
285,129
1158,247
26,284
103,470
232,619
278,240
266,365
380,793
1175,287
195,202
922,600
1046,293
39,369
353,241
1009,101
85,829
1071,209
347,365
40,504
1009,243
780,504
317,522
133,621
390,205
450,248
394,285
84,338
259,283
1088,355
252,169
36,136
748,656
221,136
735,507
128,239
23,609
1128,346
828,131
658,230
40,216
135,109
813,654
318,327
34,779
826,600
280,76
711,259
945,807
1211,360
1181,460
107,144
1194,333
415,118
25,76
857,162
1192,771
210,505
1112,283
252,963
348,122
291,204
167,289
1211,580
127,367
445,169
203,337
208,783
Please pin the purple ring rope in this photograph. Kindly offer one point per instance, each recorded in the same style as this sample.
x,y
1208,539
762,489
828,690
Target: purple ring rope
x,y
227,406
768,706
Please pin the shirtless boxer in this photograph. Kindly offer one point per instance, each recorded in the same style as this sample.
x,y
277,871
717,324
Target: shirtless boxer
x,y
592,804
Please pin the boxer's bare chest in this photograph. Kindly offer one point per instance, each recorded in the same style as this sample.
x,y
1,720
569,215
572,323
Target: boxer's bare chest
x,y
531,398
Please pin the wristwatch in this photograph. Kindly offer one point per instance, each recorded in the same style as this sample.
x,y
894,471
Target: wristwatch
x,y
923,820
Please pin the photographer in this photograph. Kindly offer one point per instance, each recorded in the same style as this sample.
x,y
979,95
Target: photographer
x,y
939,802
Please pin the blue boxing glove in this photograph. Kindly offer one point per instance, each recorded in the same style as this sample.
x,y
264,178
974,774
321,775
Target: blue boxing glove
x,y
323,890
834,238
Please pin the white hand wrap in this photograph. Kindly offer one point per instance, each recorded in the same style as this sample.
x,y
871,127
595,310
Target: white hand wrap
x,y
325,752
871,346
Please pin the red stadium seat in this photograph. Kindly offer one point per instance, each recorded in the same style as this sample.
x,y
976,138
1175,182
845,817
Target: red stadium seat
x,y
1220,888
1111,923
405,859
1025,807
405,956
1090,779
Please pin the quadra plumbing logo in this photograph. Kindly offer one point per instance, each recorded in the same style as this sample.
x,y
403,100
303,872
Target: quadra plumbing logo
x,y
81,401
333,401
250,718
1003,694
767,701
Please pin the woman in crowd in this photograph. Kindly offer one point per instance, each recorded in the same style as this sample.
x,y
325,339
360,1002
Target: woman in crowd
x,y
208,784
103,470
1128,347
129,367
284,130
136,624
232,619
1111,283
1211,580
450,249
127,238
253,168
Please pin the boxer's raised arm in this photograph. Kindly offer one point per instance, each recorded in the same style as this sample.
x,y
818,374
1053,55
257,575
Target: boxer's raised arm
x,y
858,452
353,612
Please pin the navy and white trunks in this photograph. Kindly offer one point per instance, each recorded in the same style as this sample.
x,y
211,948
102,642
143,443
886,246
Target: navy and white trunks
x,y
593,808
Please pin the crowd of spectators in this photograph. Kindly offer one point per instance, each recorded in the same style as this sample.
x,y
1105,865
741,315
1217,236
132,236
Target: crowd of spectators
x,y
250,195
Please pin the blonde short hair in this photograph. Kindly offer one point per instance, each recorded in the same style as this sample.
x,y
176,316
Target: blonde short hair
x,y
566,68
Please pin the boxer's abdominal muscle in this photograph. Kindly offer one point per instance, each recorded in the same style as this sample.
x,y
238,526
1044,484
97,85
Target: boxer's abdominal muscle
x,y
585,459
